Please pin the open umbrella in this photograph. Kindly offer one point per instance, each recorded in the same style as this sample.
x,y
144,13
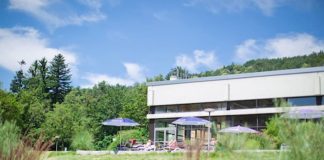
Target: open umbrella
x,y
194,121
120,122
191,121
303,114
238,129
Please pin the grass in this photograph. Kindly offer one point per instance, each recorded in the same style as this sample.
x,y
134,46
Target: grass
x,y
163,156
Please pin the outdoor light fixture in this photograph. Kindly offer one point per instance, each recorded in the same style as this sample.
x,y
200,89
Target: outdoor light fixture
x,y
209,110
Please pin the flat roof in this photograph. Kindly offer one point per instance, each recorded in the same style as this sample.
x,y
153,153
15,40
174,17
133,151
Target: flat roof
x,y
239,76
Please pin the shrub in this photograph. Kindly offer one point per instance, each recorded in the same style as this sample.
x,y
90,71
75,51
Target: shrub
x,y
104,143
272,130
304,139
126,135
231,141
244,141
82,140
251,144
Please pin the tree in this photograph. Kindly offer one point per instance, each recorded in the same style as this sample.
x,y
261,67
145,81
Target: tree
x,y
134,104
10,109
59,79
180,72
17,84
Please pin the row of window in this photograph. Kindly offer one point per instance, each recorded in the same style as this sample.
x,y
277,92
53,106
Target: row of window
x,y
253,121
261,103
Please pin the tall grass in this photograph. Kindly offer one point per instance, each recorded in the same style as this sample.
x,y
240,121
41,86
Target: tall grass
x,y
9,138
15,148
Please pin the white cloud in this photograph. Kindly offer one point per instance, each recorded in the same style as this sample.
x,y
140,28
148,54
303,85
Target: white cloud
x,y
199,60
265,6
25,43
280,46
94,79
134,73
44,10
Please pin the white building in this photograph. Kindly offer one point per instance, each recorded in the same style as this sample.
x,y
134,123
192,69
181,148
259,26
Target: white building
x,y
247,99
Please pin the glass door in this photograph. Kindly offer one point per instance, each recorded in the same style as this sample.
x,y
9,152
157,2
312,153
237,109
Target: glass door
x,y
163,135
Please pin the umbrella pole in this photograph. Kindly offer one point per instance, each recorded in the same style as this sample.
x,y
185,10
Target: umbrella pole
x,y
120,137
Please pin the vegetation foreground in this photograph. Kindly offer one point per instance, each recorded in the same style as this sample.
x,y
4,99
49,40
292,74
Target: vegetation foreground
x,y
164,156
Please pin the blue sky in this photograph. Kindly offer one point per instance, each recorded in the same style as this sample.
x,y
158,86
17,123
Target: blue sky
x,y
124,42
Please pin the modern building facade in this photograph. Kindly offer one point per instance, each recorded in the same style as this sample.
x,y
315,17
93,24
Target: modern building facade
x,y
248,99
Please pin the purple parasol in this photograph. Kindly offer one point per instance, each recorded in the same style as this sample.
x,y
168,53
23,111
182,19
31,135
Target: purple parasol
x,y
238,129
303,114
191,121
120,122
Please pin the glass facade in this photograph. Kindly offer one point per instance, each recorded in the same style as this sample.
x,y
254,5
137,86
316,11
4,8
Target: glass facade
x,y
265,103
242,104
233,105
302,101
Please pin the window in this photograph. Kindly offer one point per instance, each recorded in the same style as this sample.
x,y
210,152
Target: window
x,y
190,108
242,104
264,103
171,109
162,123
302,101
160,109
216,106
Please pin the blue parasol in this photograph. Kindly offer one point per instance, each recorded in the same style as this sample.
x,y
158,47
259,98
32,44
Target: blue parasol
x,y
195,121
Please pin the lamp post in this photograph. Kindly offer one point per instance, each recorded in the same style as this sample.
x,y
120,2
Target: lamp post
x,y
209,110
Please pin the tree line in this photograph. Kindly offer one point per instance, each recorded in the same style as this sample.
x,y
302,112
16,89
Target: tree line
x,y
42,100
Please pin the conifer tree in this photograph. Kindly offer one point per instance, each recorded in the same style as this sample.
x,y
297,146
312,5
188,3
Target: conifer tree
x,y
17,84
59,79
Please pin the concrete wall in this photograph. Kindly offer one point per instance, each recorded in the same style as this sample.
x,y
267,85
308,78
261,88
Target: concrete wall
x,y
293,85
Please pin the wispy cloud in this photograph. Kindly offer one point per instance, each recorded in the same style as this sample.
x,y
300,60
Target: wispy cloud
x,y
95,78
44,10
161,15
267,7
26,43
134,73
280,46
199,59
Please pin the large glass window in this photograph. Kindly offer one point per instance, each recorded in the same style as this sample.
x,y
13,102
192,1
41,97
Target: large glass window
x,y
190,108
264,103
172,108
216,106
160,109
242,104
162,123
302,101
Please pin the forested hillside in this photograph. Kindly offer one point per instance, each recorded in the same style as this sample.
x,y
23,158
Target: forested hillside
x,y
43,102
258,65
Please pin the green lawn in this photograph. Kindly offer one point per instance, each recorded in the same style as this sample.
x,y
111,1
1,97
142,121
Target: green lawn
x,y
164,156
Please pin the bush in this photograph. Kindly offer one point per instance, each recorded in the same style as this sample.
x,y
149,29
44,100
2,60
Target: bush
x,y
9,138
126,135
82,140
304,139
251,144
104,143
230,142
272,130
244,141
